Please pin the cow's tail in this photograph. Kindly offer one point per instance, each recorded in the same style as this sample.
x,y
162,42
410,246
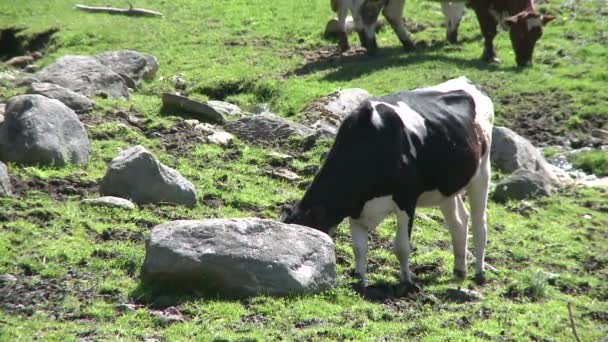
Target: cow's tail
x,y
335,5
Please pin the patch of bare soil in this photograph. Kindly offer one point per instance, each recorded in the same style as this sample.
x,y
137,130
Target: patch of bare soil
x,y
180,139
57,188
27,295
14,43
541,116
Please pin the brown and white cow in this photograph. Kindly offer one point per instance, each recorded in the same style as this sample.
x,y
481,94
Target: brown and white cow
x,y
520,17
394,153
365,15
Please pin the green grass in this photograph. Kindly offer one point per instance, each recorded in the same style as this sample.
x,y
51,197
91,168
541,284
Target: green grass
x,y
87,260
595,162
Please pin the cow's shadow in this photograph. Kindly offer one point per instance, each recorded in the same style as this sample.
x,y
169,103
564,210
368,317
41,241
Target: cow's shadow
x,y
353,65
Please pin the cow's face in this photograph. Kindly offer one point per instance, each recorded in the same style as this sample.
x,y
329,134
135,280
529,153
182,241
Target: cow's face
x,y
314,217
526,29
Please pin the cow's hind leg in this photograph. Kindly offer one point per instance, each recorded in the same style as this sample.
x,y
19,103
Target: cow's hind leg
x,y
478,198
342,35
453,12
359,234
457,219
488,25
393,12
402,245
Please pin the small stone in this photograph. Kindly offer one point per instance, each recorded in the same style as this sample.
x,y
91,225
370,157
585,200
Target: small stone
x,y
110,201
220,138
205,128
5,182
279,159
461,295
283,173
226,109
587,217
127,307
7,278
192,122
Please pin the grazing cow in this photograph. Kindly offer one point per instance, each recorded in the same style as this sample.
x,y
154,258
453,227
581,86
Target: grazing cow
x,y
365,14
524,22
394,153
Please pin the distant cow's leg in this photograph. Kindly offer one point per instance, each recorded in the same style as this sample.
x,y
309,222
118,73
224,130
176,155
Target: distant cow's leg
x,y
457,219
478,198
487,24
369,11
393,12
402,244
359,235
342,35
453,12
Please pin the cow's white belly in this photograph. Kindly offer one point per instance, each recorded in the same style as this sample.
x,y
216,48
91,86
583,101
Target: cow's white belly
x,y
377,209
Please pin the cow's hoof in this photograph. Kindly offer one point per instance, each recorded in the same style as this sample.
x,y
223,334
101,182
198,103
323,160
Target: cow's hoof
x,y
409,46
344,48
452,38
460,274
405,288
490,59
480,278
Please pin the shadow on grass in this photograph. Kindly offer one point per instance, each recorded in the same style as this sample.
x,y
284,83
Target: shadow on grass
x,y
353,65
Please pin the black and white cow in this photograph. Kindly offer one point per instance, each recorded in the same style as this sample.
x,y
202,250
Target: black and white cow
x,y
394,153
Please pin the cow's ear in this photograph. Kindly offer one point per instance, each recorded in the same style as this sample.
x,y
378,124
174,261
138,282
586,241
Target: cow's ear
x,y
546,18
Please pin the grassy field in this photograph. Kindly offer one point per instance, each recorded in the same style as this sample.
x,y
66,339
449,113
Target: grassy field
x,y
78,267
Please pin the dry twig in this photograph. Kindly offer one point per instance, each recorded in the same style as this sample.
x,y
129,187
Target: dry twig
x,y
132,11
578,339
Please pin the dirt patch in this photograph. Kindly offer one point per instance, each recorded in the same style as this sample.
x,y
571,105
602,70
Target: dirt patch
x,y
258,318
111,234
180,139
57,188
212,201
30,294
306,323
13,42
541,118
593,264
224,88
600,316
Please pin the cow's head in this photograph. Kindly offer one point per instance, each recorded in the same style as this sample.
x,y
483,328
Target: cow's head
x,y
526,29
314,217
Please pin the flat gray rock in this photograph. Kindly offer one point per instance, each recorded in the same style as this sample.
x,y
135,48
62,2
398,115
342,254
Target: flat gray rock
x,y
84,75
42,131
225,109
332,109
461,295
110,201
240,257
5,182
202,111
266,127
77,102
522,184
132,64
137,175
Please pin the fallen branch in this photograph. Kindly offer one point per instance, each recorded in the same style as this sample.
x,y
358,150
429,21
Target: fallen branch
x,y
578,339
132,11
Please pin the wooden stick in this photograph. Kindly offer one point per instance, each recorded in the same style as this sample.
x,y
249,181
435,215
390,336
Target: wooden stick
x,y
127,11
578,339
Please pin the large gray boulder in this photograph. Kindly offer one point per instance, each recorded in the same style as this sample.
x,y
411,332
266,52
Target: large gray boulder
x,y
5,182
522,184
333,108
240,257
266,127
132,64
137,175
42,131
79,103
510,152
84,75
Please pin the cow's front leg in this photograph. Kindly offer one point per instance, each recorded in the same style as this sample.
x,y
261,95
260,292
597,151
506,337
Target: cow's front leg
x,y
359,234
393,12
452,12
342,35
405,221
457,220
488,25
